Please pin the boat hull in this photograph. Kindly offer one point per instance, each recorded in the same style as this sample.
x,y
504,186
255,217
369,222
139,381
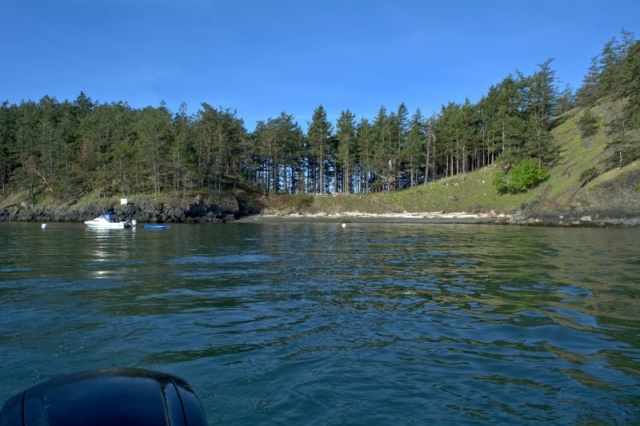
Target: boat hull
x,y
107,225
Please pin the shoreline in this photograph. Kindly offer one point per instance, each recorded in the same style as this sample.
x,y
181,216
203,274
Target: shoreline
x,y
445,218
207,215
358,217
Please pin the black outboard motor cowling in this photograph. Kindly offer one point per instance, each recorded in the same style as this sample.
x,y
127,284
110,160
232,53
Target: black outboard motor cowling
x,y
120,396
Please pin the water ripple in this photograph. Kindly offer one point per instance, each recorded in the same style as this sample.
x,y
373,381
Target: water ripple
x,y
315,324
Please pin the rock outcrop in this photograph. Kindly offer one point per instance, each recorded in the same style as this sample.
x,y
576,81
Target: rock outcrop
x,y
144,209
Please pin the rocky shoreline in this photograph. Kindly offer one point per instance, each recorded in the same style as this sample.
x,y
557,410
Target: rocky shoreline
x,y
449,218
144,210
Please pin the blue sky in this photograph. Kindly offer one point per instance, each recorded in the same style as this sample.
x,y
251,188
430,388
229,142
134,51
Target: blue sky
x,y
264,57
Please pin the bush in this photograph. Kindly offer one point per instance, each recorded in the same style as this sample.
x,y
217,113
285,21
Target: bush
x,y
501,183
589,174
588,124
524,176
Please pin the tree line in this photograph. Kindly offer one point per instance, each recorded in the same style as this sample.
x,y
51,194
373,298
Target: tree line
x,y
72,148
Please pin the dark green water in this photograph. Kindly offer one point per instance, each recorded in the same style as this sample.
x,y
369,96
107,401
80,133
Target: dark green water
x,y
303,323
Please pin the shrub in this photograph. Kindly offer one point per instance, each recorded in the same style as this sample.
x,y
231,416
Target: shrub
x,y
588,124
589,174
524,176
501,183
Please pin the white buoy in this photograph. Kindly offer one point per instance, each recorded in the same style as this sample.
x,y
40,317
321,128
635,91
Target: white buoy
x,y
43,226
344,225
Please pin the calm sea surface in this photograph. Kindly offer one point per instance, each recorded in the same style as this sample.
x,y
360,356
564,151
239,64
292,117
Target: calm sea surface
x,y
302,323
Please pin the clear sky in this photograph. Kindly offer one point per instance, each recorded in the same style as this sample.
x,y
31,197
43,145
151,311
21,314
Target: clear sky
x,y
263,57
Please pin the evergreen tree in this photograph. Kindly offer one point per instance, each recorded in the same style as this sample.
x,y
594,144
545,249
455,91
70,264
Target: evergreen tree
x,y
346,153
179,149
318,135
431,149
364,141
281,141
415,145
566,100
8,149
383,148
541,107
588,93
401,129
153,137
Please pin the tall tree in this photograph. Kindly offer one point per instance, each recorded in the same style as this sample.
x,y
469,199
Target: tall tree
x,y
153,139
566,100
430,151
415,146
624,140
180,155
318,135
364,136
588,93
8,149
346,153
542,103
401,125
383,149
281,141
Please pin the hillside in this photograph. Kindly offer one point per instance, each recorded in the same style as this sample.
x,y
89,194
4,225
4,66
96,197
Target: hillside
x,y
584,188
567,197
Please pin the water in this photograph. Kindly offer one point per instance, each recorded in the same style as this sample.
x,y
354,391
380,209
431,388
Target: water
x,y
300,323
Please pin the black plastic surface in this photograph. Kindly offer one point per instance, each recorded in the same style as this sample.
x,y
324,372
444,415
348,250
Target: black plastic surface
x,y
121,396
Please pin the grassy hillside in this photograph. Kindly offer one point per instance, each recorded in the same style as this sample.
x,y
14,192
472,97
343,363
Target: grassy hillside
x,y
474,192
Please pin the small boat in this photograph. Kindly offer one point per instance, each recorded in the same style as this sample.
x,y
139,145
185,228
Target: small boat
x,y
156,226
107,220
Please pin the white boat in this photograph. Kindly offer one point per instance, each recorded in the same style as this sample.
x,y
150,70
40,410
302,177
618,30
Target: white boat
x,y
107,221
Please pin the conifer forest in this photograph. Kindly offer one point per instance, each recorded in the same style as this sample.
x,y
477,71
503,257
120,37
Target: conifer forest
x,y
73,147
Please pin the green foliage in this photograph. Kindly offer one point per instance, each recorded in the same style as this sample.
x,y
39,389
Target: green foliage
x,y
613,73
318,136
623,154
524,176
589,174
588,124
346,152
501,183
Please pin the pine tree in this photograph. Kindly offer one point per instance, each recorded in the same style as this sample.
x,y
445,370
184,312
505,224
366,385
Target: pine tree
x,y
588,93
364,140
415,146
346,152
384,148
318,136
542,103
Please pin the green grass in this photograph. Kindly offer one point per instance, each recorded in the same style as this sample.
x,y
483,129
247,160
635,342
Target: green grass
x,y
473,192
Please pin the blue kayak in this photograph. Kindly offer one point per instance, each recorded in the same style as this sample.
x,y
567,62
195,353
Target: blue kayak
x,y
156,226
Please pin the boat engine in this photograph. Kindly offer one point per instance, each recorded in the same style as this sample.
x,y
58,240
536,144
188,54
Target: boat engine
x,y
117,396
